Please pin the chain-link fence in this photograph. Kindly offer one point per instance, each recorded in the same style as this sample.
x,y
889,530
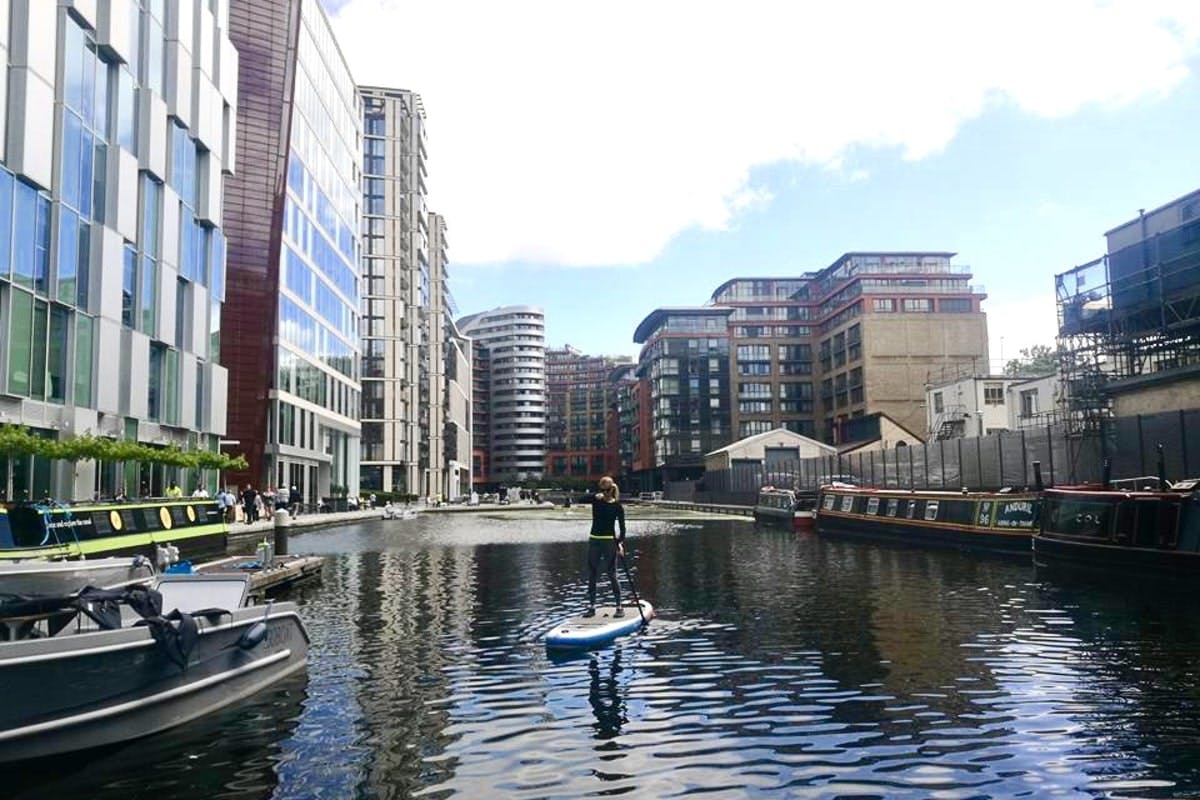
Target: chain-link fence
x,y
990,462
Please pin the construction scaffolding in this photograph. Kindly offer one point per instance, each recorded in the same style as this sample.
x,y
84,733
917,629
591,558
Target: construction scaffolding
x,y
1130,314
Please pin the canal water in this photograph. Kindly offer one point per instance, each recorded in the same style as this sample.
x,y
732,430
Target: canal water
x,y
780,666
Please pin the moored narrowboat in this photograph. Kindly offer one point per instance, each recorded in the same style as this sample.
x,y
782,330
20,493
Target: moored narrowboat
x,y
1001,521
1153,530
785,507
91,530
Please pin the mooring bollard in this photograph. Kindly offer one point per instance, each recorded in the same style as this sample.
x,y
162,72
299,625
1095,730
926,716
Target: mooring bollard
x,y
283,521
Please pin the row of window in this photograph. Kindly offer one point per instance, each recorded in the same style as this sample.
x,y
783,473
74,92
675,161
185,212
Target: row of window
x,y
922,305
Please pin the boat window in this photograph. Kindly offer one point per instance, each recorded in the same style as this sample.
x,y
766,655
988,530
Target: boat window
x,y
179,516
931,509
912,509
1085,518
6,539
28,527
847,502
873,506
958,511
893,504
66,526
1126,521
1146,533
1168,524
131,520
827,502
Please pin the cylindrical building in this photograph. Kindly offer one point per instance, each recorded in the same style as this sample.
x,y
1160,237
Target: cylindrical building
x,y
515,340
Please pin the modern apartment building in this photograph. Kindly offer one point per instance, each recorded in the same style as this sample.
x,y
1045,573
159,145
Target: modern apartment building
x,y
458,437
684,366
439,320
621,423
858,339
772,354
117,134
481,414
579,392
886,324
514,338
402,356
290,340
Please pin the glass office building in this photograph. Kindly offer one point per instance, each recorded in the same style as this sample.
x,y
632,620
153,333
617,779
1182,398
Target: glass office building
x,y
117,136
291,337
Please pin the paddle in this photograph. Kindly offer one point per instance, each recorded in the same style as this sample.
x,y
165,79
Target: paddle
x,y
633,589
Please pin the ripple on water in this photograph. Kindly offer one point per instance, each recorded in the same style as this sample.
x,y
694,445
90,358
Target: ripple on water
x,y
779,666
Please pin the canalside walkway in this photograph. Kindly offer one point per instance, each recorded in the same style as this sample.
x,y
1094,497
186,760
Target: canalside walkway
x,y
707,508
241,533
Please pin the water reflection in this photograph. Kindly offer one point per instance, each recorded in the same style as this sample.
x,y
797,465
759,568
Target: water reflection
x,y
236,753
777,666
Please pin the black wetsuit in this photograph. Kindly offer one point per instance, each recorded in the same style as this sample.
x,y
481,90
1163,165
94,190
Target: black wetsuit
x,y
607,519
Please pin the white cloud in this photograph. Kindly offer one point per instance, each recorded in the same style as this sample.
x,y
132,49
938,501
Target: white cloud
x,y
566,133
1014,325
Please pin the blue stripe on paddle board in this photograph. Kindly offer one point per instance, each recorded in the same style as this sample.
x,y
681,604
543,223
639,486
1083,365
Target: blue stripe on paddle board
x,y
591,631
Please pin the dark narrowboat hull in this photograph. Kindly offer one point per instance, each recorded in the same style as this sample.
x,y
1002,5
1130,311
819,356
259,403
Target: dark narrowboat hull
x,y
1053,551
922,534
1136,531
998,522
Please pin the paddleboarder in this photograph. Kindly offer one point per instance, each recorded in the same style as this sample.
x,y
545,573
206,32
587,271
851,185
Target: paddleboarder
x,y
605,545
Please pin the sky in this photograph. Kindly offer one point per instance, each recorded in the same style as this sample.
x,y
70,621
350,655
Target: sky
x,y
601,160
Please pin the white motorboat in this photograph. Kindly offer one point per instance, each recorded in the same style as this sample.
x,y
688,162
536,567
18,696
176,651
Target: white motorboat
x,y
103,666
65,577
391,511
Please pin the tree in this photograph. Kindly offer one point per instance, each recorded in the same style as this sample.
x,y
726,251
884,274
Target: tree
x,y
1040,359
16,440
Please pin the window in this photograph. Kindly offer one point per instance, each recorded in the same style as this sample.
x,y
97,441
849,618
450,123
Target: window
x,y
955,305
917,305
1029,404
150,233
154,387
84,327
746,390
993,394
754,407
938,403
56,354
20,334
129,286
751,428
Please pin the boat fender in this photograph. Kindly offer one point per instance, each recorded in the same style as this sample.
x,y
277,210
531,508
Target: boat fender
x,y
253,636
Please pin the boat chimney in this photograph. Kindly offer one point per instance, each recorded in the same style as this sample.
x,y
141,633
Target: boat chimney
x,y
1162,470
1037,476
1106,480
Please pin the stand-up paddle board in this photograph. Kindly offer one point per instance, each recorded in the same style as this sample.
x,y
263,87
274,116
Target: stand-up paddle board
x,y
597,630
